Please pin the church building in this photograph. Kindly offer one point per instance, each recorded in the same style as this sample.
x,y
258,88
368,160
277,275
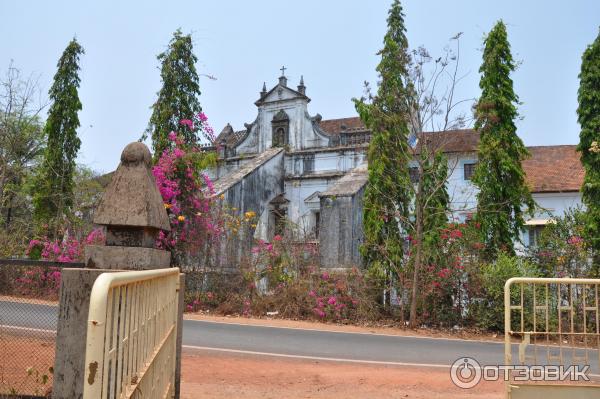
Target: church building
x,y
302,173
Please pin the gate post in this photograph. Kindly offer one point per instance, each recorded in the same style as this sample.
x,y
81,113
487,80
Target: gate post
x,y
133,214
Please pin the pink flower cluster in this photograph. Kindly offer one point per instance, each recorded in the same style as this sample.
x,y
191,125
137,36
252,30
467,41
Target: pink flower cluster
x,y
183,188
264,247
38,282
332,299
67,250
575,240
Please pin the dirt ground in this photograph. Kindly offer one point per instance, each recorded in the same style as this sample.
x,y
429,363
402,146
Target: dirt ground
x,y
20,353
225,375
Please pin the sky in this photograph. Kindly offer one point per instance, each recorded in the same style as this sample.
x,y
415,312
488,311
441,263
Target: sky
x,y
332,43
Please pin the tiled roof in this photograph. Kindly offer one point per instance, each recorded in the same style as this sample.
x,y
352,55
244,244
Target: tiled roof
x,y
230,136
335,126
554,168
350,184
452,141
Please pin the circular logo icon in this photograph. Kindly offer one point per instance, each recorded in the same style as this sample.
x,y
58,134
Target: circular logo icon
x,y
465,372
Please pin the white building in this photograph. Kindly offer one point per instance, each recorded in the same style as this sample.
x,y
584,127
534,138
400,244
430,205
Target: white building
x,y
290,166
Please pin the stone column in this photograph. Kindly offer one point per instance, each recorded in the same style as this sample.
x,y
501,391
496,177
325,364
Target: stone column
x,y
133,214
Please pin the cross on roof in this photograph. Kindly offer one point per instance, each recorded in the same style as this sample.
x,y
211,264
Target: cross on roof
x,y
283,70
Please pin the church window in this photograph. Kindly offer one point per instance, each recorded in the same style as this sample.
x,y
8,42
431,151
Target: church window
x,y
535,233
280,215
469,170
279,138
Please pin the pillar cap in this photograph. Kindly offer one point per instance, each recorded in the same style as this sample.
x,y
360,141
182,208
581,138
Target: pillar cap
x,y
132,198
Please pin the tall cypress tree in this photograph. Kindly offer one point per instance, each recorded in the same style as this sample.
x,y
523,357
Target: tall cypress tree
x,y
588,114
54,193
178,96
503,192
387,194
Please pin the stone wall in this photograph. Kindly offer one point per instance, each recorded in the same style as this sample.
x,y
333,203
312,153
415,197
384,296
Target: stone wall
x,y
251,188
341,231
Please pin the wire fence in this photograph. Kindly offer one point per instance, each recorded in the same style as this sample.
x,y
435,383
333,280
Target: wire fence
x,y
28,319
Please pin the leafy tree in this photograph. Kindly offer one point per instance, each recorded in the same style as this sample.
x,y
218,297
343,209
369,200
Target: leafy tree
x,y
22,143
489,312
499,175
386,197
432,105
435,213
178,97
588,114
561,249
54,192
89,186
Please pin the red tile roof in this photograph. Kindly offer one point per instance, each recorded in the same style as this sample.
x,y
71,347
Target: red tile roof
x,y
335,126
550,168
554,168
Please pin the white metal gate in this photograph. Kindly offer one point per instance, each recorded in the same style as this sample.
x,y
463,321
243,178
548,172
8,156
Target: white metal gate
x,y
131,336
556,321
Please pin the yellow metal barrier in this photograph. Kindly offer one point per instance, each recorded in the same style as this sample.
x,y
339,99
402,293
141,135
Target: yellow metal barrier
x,y
131,336
556,322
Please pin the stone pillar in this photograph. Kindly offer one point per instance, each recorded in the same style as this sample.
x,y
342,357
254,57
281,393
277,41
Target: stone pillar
x,y
133,214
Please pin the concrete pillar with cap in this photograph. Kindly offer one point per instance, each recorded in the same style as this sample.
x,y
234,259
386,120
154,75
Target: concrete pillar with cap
x,y
133,214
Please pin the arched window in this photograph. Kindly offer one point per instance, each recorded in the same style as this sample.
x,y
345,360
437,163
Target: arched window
x,y
280,125
279,138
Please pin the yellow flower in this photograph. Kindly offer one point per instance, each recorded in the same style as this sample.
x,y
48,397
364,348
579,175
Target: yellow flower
x,y
222,196
253,225
181,218
250,214
167,206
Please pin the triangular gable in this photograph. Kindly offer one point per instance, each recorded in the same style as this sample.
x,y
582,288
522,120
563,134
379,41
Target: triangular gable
x,y
281,93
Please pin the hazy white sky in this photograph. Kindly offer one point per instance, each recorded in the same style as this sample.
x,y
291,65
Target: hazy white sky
x,y
332,43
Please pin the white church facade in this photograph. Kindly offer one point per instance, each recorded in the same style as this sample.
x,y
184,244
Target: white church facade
x,y
297,169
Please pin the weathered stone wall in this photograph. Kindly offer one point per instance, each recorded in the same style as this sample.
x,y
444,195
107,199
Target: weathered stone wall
x,y
251,188
341,231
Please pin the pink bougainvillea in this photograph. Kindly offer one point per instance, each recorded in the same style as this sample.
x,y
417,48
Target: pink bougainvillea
x,y
187,192
67,250
45,281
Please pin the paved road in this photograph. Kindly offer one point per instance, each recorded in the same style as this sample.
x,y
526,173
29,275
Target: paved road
x,y
21,314
352,346
295,342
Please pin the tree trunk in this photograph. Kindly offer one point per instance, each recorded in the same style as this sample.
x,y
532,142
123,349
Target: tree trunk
x,y
417,265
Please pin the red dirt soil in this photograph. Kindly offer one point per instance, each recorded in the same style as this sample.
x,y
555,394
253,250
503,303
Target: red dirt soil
x,y
17,354
225,375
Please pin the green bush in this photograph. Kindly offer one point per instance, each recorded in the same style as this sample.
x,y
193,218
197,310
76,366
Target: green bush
x,y
488,310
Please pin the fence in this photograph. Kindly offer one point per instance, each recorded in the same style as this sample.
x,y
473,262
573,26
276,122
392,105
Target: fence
x,y
557,322
131,337
28,317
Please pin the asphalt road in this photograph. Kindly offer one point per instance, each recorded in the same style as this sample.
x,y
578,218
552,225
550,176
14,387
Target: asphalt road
x,y
295,342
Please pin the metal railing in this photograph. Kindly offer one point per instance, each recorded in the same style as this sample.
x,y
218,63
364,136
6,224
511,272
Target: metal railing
x,y
555,321
131,336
